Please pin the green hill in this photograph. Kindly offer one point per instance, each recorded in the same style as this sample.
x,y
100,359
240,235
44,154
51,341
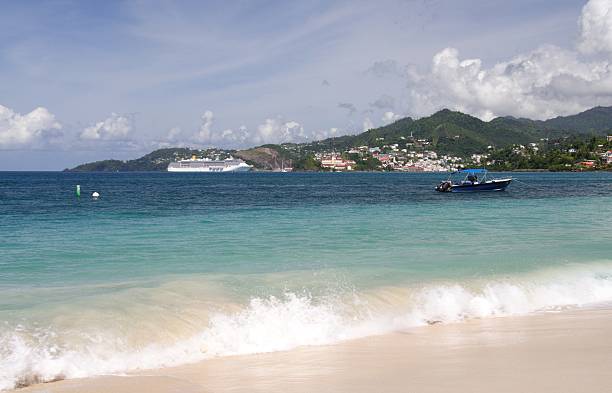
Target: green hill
x,y
457,133
267,157
595,121
157,160
446,132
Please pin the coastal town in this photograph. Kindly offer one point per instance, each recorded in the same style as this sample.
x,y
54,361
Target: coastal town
x,y
445,141
411,155
391,158
416,156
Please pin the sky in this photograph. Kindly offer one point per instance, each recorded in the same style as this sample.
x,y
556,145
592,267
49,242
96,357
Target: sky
x,y
90,80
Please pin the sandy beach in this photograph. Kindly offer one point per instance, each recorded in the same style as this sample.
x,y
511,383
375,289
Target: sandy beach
x,y
569,351
306,196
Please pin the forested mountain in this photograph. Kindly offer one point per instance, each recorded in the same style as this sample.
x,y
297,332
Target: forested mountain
x,y
460,134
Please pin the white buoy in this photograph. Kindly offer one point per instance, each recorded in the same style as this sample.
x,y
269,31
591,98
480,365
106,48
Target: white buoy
x,y
95,195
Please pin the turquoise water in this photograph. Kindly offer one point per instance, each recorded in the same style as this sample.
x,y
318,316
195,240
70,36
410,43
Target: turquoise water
x,y
166,268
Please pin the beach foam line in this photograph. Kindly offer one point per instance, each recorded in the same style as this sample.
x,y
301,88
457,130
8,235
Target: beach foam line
x,y
278,323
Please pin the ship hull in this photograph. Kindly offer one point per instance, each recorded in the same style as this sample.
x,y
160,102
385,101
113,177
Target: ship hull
x,y
211,169
207,166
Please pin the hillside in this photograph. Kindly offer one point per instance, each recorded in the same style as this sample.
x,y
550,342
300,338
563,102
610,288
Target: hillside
x,y
157,160
457,133
595,121
267,157
448,132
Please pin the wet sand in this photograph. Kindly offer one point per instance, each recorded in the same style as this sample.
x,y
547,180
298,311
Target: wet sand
x,y
569,351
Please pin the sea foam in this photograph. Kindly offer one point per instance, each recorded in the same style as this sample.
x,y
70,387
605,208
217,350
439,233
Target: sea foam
x,y
276,323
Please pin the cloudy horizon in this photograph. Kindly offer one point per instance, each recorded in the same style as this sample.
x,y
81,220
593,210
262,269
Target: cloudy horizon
x,y
89,81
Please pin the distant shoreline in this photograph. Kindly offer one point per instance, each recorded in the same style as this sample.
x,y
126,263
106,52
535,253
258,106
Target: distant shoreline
x,y
271,171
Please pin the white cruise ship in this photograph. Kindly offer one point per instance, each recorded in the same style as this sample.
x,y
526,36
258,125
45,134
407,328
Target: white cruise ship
x,y
207,165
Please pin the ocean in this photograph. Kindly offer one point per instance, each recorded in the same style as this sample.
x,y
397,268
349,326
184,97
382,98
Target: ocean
x,y
169,268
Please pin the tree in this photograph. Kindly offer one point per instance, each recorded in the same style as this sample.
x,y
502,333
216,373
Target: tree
x,y
307,163
368,164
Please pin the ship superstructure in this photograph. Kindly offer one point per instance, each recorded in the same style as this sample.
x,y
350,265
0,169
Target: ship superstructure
x,y
207,165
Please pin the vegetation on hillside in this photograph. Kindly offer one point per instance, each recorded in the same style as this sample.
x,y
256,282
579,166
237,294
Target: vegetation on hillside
x,y
445,132
157,160
556,155
456,133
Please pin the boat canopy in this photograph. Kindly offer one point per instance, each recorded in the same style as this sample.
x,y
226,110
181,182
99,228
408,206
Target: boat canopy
x,y
475,170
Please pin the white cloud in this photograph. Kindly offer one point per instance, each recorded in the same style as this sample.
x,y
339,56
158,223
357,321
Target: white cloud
x,y
173,138
367,124
389,117
268,130
324,134
276,130
272,130
208,136
544,83
17,130
596,27
115,127
236,137
204,135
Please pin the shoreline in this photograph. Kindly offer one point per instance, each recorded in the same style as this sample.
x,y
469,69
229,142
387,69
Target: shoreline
x,y
496,170
566,351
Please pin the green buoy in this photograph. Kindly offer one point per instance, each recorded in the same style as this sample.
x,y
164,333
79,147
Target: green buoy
x,y
78,190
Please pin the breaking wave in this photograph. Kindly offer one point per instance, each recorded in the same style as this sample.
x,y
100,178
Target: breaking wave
x,y
32,354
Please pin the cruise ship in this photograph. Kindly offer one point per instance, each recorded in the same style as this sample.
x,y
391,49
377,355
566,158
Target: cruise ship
x,y
207,165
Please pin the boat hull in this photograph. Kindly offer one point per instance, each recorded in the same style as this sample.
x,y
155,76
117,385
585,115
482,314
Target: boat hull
x,y
491,185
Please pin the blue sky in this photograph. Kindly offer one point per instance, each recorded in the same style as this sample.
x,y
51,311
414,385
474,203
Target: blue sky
x,y
87,80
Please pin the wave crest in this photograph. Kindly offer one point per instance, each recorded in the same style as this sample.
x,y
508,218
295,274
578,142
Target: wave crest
x,y
267,324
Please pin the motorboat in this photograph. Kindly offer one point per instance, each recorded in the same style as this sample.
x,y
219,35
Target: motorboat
x,y
475,180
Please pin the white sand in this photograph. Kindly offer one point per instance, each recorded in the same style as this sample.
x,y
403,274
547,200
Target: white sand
x,y
562,352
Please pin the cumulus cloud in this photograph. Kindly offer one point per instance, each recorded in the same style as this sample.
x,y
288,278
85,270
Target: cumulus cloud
x,y
367,124
115,127
204,134
235,137
173,138
17,130
596,27
546,82
326,133
228,137
389,117
272,130
276,130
